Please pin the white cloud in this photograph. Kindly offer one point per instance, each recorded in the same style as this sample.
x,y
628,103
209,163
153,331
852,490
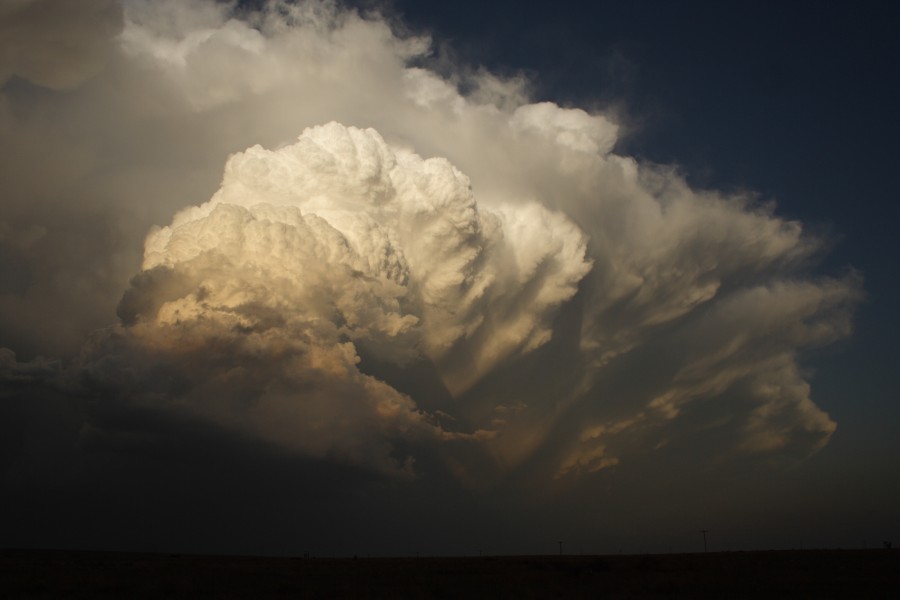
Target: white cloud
x,y
338,240
477,232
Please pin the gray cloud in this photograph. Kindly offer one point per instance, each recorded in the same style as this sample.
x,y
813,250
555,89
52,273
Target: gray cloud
x,y
421,273
57,45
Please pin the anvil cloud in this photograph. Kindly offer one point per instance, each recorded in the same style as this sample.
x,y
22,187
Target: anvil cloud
x,y
424,271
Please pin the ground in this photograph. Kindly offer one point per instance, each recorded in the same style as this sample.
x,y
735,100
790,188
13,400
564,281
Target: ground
x,y
775,574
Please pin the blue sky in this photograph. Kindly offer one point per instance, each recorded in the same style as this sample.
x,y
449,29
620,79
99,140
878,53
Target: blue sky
x,y
795,101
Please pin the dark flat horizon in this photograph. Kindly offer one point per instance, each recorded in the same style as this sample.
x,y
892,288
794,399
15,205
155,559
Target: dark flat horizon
x,y
819,573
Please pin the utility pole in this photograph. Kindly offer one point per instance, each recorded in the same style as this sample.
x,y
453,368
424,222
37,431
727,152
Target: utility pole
x,y
703,531
560,548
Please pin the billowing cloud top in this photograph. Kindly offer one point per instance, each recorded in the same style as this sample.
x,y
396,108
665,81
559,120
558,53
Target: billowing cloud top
x,y
420,269
391,248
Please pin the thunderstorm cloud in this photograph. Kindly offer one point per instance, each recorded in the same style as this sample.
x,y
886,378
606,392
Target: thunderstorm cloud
x,y
395,264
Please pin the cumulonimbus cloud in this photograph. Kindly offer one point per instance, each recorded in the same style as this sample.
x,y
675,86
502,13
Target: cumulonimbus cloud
x,y
479,234
335,241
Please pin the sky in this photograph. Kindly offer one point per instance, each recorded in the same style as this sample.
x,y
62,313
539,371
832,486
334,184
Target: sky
x,y
399,278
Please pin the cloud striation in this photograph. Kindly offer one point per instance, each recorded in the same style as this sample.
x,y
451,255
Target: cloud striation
x,y
423,272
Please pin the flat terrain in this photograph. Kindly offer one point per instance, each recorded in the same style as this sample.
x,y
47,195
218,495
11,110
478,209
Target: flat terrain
x,y
775,574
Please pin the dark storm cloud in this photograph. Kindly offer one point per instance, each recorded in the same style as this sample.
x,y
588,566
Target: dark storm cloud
x,y
426,285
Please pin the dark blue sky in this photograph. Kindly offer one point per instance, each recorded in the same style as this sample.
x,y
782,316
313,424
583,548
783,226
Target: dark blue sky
x,y
797,101
794,100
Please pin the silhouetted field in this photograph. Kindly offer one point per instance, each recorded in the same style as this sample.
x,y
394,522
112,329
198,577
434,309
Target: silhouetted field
x,y
780,574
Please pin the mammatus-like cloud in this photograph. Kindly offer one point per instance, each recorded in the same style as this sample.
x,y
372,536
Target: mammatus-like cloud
x,y
567,307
